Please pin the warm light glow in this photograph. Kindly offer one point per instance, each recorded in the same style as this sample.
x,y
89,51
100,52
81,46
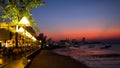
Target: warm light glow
x,y
40,41
26,33
6,44
29,60
1,61
16,28
25,21
33,38
21,30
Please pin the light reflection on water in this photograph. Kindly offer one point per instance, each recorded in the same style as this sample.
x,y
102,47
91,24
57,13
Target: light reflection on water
x,y
103,62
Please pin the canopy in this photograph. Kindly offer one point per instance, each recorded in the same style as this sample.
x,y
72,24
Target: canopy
x,y
5,34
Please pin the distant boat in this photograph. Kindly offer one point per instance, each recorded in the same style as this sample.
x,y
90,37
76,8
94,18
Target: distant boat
x,y
106,47
76,45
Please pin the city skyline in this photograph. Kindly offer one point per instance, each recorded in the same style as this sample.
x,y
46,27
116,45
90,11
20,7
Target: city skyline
x,y
74,19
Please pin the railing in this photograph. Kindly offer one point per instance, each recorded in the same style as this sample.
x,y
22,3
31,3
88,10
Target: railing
x,y
30,57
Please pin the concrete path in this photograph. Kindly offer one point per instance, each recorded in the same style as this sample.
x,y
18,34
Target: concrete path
x,y
18,62
48,59
15,64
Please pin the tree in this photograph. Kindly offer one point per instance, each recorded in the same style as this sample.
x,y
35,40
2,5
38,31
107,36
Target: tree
x,y
50,42
14,10
42,38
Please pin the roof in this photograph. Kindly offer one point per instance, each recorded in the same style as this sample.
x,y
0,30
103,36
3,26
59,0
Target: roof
x,y
31,30
6,28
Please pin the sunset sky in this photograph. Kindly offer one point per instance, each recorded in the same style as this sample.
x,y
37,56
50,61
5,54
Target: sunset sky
x,y
93,19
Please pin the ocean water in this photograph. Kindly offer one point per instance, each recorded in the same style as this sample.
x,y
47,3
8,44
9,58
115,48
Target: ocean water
x,y
94,55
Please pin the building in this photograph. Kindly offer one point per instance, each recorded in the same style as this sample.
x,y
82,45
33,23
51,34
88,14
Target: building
x,y
12,34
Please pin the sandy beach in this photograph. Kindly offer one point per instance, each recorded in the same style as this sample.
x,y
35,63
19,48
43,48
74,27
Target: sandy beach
x,y
48,59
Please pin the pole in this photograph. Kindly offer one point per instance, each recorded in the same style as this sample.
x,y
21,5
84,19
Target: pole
x,y
16,37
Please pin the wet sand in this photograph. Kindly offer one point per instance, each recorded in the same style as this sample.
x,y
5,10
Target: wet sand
x,y
48,59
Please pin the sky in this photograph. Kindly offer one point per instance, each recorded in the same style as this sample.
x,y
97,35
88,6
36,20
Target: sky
x,y
74,19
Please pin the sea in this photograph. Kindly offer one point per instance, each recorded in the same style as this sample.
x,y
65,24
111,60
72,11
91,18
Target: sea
x,y
94,55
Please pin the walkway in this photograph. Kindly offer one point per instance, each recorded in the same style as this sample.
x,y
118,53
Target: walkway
x,y
47,59
20,62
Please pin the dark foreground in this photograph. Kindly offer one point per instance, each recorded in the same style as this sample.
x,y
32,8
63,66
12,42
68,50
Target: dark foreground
x,y
48,59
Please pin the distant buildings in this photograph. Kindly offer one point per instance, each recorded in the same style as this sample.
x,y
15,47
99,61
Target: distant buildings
x,y
75,43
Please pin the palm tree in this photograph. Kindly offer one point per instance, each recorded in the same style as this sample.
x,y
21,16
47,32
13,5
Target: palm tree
x,y
42,38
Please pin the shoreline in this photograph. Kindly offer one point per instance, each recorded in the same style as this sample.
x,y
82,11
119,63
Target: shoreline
x,y
49,59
